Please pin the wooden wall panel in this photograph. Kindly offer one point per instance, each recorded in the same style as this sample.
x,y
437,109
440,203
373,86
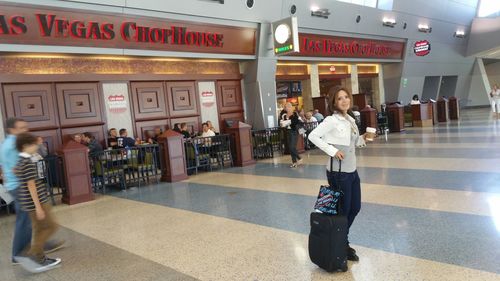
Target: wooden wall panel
x,y
78,104
142,127
229,97
193,123
149,100
35,103
182,99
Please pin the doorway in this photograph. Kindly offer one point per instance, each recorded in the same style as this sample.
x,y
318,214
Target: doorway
x,y
448,86
431,87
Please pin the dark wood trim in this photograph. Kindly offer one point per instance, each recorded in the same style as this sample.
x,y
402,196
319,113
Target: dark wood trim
x,y
44,128
2,104
69,78
292,77
367,75
334,76
234,111
82,125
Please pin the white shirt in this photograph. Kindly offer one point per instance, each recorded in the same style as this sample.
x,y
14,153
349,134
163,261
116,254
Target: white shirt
x,y
414,102
313,119
208,133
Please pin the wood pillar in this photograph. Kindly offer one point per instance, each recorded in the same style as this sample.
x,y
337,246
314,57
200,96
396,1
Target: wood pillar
x,y
242,145
172,156
368,119
422,115
77,173
454,108
395,113
442,110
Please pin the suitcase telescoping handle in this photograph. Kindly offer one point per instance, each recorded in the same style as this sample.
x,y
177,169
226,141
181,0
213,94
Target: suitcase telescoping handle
x,y
337,180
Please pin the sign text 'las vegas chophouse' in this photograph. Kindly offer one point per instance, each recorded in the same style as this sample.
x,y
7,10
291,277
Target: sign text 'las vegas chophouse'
x,y
43,27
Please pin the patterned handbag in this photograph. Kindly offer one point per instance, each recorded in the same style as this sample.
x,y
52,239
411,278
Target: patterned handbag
x,y
330,198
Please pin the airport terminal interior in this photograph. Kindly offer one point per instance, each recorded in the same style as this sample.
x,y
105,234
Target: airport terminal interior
x,y
142,187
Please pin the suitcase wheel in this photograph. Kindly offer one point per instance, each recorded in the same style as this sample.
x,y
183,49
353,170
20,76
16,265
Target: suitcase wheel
x,y
344,268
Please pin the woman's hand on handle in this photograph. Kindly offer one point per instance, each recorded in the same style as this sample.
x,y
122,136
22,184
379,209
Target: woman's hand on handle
x,y
339,155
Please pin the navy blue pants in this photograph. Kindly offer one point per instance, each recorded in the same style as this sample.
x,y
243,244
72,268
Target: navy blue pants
x,y
351,186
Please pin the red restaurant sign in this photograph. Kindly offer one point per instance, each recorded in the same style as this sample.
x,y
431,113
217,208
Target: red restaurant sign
x,y
422,48
314,45
40,26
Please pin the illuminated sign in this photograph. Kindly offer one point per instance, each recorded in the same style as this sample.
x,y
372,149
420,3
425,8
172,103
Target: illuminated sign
x,y
316,45
286,36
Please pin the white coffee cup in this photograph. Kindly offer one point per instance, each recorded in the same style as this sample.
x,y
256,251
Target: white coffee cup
x,y
370,133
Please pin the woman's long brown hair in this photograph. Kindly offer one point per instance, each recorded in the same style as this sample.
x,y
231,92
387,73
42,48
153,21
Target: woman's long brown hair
x,y
332,97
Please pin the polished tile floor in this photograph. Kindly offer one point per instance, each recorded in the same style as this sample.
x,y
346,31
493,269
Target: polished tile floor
x,y
431,211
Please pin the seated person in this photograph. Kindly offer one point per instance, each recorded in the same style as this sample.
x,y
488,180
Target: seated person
x,y
93,145
124,141
77,138
112,135
310,118
177,128
42,149
206,131
318,115
148,138
415,100
157,133
211,126
184,131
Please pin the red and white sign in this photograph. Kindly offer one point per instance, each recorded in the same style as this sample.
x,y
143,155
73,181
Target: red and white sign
x,y
207,99
208,102
117,103
332,68
422,48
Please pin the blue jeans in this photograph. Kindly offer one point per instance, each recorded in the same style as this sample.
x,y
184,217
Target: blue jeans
x,y
22,231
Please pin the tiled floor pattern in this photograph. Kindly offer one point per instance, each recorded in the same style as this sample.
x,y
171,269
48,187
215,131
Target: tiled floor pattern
x,y
431,211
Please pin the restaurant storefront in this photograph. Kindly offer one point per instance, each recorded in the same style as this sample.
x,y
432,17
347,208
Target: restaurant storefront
x,y
326,61
69,71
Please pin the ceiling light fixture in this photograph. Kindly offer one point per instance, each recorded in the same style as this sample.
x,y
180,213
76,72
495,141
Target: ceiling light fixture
x,y
424,28
459,34
390,22
317,12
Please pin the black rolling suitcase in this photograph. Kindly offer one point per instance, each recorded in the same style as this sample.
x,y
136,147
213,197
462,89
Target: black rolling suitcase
x,y
328,242
328,238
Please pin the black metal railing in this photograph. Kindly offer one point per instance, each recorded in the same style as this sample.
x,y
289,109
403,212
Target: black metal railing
x,y
125,167
53,175
208,153
308,128
266,143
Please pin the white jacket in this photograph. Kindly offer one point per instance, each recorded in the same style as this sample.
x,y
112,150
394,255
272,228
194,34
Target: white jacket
x,y
335,129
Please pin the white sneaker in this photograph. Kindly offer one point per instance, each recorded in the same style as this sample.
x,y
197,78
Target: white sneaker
x,y
34,267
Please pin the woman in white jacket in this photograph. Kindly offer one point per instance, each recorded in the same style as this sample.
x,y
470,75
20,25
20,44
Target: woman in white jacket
x,y
338,136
